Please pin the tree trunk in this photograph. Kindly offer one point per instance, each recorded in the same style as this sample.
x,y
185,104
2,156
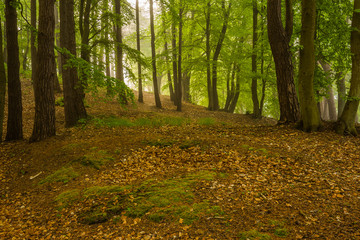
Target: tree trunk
x,y
153,54
330,98
2,84
57,87
33,37
215,105
208,56
310,117
141,97
341,92
179,93
174,61
44,123
254,93
73,89
119,42
14,123
279,39
236,93
84,26
346,123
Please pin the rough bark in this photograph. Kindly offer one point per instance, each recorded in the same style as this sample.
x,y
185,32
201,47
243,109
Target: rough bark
x,y
254,83
279,39
346,122
141,97
73,89
14,122
2,84
310,116
153,54
44,123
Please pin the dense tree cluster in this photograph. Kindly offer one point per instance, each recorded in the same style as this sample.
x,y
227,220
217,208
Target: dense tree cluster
x,y
291,60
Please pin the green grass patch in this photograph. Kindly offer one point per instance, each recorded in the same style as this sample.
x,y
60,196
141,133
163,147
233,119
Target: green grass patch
x,y
281,232
63,175
206,121
254,234
168,200
96,159
161,121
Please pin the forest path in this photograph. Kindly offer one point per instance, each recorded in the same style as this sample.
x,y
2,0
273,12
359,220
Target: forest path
x,y
148,173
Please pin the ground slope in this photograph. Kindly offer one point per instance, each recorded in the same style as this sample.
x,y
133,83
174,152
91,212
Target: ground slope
x,y
148,173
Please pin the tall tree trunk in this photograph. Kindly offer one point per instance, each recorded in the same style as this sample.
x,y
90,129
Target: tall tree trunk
x,y
208,56
84,26
330,98
153,54
254,83
215,106
25,56
179,93
44,123
346,121
141,97
236,92
14,123
33,37
230,86
310,117
279,39
57,87
341,87
2,84
73,89
174,61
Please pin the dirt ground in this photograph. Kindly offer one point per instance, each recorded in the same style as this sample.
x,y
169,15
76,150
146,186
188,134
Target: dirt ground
x,y
270,181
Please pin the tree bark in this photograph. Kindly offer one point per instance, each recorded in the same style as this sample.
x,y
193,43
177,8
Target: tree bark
x,y
310,117
279,39
33,37
179,93
215,105
208,56
57,87
141,97
84,26
254,83
73,89
330,93
153,54
14,123
341,92
346,122
44,123
2,84
174,61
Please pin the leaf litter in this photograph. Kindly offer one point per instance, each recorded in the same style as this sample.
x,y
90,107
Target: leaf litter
x,y
231,178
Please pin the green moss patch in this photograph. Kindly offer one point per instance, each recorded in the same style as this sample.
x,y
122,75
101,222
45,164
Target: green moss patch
x,y
95,159
63,175
253,234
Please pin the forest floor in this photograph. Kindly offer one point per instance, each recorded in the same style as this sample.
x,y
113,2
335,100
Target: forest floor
x,y
148,173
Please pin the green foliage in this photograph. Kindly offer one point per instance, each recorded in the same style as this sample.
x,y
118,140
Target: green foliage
x,y
59,102
206,121
63,175
96,159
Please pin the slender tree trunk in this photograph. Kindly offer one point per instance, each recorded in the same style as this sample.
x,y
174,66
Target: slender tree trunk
x,y
73,89
171,88
26,52
119,42
33,37
2,84
84,26
153,54
230,86
14,123
44,123
141,97
215,106
208,57
279,39
57,87
179,94
236,93
174,61
310,117
346,121
254,83
330,99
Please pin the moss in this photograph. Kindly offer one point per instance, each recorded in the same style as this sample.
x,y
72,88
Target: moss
x,y
63,175
206,121
98,190
90,218
96,159
253,234
66,198
281,232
